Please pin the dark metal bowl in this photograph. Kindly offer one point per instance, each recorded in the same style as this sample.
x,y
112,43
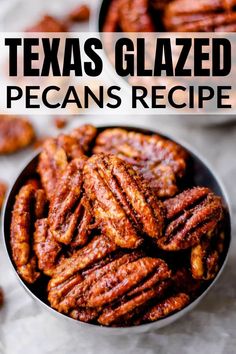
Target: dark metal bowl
x,y
202,175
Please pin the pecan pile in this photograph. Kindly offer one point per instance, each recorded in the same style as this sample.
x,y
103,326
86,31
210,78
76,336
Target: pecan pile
x,y
171,15
110,231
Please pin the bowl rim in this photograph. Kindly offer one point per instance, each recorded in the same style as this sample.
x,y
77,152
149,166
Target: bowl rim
x,y
147,326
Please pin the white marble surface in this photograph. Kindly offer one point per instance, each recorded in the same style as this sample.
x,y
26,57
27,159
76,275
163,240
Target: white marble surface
x,y
27,328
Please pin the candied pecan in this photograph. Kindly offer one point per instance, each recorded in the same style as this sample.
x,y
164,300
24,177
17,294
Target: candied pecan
x,y
115,284
111,23
205,257
60,123
57,152
15,134
78,296
79,14
134,16
23,217
99,247
190,215
124,207
184,282
48,24
69,215
129,306
167,307
85,136
46,248
3,189
200,16
84,314
160,161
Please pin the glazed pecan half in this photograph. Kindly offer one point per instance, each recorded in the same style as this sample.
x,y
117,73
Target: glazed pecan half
x,y
78,296
57,152
161,162
26,210
205,257
190,216
69,215
200,16
166,307
15,134
124,207
46,248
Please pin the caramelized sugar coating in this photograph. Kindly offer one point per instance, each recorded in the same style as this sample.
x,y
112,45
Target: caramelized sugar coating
x,y
124,206
167,307
200,16
161,161
191,215
48,24
25,212
67,226
3,189
15,133
58,152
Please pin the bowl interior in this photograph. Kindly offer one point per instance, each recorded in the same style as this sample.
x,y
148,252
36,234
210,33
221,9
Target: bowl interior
x,y
201,175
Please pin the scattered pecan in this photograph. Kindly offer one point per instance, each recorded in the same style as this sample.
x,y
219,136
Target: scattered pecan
x,y
167,307
25,212
124,206
48,24
15,134
3,189
160,161
79,14
200,16
60,123
190,216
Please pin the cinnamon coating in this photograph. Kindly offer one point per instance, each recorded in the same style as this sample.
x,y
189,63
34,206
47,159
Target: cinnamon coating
x,y
161,162
124,206
24,215
190,215
15,134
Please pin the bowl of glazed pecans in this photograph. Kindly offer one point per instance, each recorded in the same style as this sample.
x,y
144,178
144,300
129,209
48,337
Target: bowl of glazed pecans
x,y
117,227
